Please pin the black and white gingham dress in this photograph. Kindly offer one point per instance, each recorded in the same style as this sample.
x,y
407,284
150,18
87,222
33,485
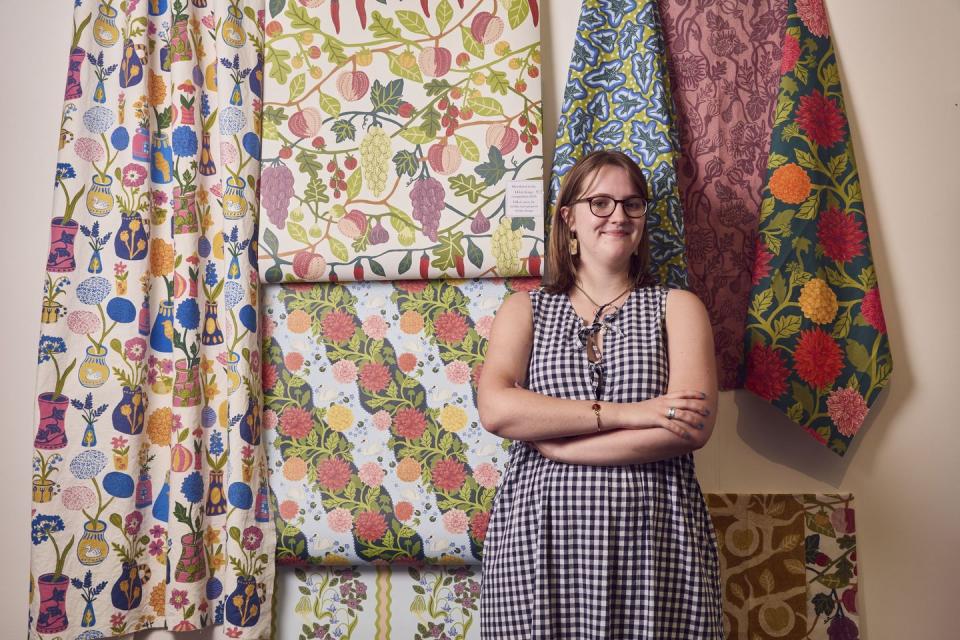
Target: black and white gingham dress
x,y
608,552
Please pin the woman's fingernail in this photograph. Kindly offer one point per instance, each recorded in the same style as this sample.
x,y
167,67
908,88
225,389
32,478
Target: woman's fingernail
x,y
700,426
702,395
706,412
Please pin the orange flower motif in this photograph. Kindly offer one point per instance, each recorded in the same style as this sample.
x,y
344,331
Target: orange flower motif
x,y
161,257
818,301
411,322
298,321
790,184
159,426
158,598
294,469
409,470
157,89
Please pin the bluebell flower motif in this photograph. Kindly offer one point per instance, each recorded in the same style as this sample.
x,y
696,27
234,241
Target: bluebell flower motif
x,y
192,487
204,105
188,314
88,464
216,443
211,277
184,141
43,526
93,290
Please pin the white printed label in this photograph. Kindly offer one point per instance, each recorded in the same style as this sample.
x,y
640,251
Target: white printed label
x,y
524,199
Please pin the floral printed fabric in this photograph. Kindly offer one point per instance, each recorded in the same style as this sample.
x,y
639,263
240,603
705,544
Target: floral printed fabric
x,y
816,337
402,140
376,450
724,63
150,496
618,97
788,566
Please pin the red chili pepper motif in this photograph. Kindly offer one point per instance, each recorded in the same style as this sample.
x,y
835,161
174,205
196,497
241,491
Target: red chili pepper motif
x,y
335,14
534,11
460,2
424,266
362,12
533,265
358,272
458,261
425,5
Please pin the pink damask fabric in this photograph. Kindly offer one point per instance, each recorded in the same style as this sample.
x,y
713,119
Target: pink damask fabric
x,y
724,60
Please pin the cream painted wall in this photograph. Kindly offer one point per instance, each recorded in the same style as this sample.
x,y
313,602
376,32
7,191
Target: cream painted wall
x,y
899,67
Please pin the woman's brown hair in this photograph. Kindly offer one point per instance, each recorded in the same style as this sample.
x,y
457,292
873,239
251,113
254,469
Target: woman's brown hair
x,y
561,267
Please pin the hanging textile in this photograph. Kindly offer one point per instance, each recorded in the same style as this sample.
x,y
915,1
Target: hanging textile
x,y
150,496
816,339
370,415
724,70
403,143
618,97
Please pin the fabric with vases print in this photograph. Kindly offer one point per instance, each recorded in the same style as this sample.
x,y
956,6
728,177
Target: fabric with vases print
x,y
150,499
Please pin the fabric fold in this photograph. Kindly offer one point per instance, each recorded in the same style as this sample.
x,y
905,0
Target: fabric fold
x,y
150,496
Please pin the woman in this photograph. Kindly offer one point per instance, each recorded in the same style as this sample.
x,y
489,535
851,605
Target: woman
x,y
599,528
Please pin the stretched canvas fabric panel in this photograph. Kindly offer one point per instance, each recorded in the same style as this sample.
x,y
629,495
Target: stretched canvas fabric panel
x,y
724,61
375,446
401,140
617,96
788,565
816,339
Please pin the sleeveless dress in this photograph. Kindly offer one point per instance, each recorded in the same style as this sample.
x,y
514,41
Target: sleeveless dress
x,y
607,552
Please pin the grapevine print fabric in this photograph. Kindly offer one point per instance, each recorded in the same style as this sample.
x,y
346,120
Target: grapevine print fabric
x,y
402,140
150,496
788,566
617,96
816,340
724,61
376,449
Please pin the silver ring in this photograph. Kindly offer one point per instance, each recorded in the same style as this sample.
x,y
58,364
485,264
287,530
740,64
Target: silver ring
x,y
671,413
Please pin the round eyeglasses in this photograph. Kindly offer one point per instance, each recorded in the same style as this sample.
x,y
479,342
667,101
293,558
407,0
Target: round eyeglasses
x,y
603,206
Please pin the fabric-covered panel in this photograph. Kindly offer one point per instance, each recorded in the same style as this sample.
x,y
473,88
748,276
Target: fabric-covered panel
x,y
375,445
788,569
401,140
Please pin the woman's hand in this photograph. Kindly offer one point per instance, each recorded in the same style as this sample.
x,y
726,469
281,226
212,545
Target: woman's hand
x,y
689,410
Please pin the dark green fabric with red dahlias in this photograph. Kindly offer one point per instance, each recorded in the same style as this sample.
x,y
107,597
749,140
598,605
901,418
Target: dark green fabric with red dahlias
x,y
816,338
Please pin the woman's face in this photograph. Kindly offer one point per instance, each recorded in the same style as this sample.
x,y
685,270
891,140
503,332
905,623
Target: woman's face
x,y
609,240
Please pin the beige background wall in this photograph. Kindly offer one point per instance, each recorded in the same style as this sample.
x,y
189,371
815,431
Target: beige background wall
x,y
898,63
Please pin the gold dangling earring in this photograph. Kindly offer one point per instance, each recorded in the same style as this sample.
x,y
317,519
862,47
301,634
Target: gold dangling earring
x,y
573,245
